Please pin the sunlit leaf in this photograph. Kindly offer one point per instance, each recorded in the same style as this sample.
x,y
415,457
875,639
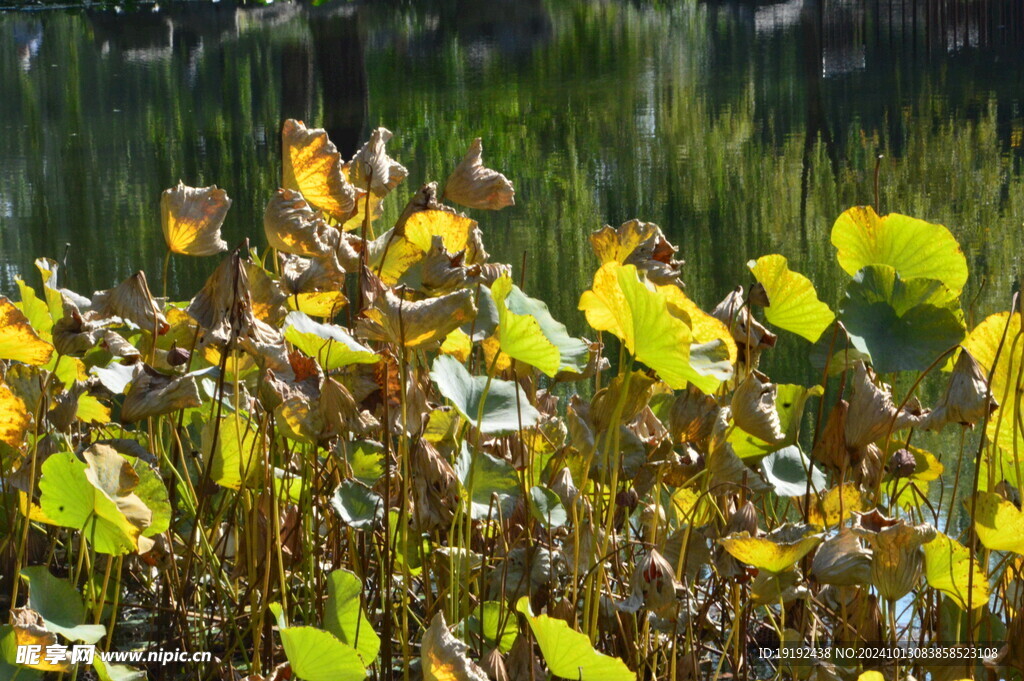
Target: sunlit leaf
x,y
947,566
95,499
238,455
790,401
18,341
914,248
316,655
491,478
836,505
420,323
568,653
331,345
358,505
778,551
476,186
529,334
457,344
345,618
999,523
312,165
318,303
984,343
14,418
371,169
794,304
492,406
620,303
443,657
108,671
36,311
192,218
454,229
494,621
904,325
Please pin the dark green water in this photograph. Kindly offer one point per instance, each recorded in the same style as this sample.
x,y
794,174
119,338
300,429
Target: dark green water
x,y
741,129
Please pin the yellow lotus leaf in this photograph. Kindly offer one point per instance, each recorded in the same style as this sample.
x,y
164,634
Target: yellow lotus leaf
x,y
291,225
776,552
612,244
703,327
947,566
454,229
620,303
358,218
983,343
999,523
192,218
18,341
912,247
871,676
793,302
836,506
318,303
392,256
457,344
443,657
492,346
476,186
14,418
312,166
419,323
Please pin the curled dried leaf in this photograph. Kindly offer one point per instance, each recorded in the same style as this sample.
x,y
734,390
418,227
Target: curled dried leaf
x,y
152,394
292,226
131,300
967,399
753,408
416,324
473,185
371,169
192,218
224,307
443,656
872,413
842,560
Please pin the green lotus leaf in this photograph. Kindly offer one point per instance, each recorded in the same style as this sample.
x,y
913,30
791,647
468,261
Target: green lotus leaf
x,y
914,248
778,551
108,671
904,325
491,476
365,457
546,507
492,408
620,303
344,616
999,523
316,655
331,345
153,493
60,605
358,505
568,653
787,469
794,304
528,333
947,566
95,499
237,458
497,625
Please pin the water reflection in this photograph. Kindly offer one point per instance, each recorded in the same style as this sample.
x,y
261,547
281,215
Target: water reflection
x,y
740,128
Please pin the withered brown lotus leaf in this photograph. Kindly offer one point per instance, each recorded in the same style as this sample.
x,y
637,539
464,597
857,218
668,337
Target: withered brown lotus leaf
x,y
153,394
473,185
616,244
268,299
303,275
417,324
30,630
443,656
868,466
73,334
435,487
830,449
65,407
753,408
692,416
442,271
897,559
312,165
750,335
728,473
192,217
522,664
371,169
118,346
132,300
842,560
872,413
341,413
224,307
493,663
967,400
292,226
113,475
638,393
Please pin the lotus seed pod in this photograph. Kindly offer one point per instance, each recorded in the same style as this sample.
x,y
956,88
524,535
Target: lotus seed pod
x,y
743,519
901,464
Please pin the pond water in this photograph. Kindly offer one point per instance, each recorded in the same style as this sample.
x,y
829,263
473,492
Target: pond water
x,y
740,128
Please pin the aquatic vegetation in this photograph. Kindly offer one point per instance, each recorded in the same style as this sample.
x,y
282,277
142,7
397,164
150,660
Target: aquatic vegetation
x,y
365,451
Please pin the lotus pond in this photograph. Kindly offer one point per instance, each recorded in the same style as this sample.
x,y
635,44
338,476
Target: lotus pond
x,y
336,438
